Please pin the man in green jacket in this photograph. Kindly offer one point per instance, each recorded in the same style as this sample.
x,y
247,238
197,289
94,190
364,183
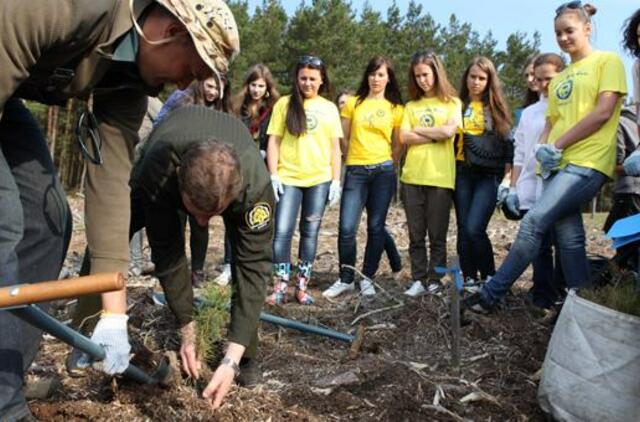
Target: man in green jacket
x,y
112,53
205,163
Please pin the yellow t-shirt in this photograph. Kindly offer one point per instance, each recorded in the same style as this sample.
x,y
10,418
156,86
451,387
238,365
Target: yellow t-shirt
x,y
573,94
306,160
472,123
372,123
431,164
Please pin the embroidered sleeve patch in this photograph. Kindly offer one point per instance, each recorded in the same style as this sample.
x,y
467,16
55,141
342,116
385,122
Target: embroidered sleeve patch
x,y
259,216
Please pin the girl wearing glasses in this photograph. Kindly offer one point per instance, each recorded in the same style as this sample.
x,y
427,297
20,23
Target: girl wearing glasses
x,y
576,155
485,115
429,124
370,122
303,157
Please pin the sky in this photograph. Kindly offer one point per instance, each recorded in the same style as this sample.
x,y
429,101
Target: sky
x,y
504,17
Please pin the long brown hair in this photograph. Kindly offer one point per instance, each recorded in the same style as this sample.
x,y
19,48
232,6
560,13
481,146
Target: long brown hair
x,y
242,100
222,103
296,117
531,96
391,91
444,90
492,97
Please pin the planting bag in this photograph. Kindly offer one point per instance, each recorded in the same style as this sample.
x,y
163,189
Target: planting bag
x,y
591,371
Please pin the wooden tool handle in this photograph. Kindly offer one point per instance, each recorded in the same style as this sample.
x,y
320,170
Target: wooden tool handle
x,y
24,294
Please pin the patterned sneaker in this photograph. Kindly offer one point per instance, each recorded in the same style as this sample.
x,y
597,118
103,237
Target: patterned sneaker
x,y
366,287
303,276
338,288
417,289
279,295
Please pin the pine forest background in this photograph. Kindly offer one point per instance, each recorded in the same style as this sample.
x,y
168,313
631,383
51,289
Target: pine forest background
x,y
344,39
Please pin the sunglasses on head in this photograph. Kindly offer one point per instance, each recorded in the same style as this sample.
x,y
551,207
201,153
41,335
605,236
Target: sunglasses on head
x,y
311,60
569,5
423,54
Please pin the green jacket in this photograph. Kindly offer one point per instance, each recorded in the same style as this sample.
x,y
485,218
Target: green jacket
x,y
156,204
51,50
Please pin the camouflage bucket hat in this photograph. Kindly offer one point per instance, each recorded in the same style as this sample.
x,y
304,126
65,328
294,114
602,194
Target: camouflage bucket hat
x,y
213,30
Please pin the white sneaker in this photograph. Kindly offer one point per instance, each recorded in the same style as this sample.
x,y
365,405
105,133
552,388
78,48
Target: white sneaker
x,y
366,287
225,276
338,288
416,289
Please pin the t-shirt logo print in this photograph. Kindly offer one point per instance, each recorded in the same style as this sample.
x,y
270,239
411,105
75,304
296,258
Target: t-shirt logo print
x,y
427,120
371,117
563,91
312,122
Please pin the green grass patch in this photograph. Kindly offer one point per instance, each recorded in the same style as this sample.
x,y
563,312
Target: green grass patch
x,y
621,294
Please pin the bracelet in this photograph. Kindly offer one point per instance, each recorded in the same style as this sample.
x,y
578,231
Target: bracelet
x,y
229,362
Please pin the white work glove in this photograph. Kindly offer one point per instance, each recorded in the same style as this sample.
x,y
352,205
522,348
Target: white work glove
x,y
632,164
503,191
512,202
111,334
276,184
335,191
548,156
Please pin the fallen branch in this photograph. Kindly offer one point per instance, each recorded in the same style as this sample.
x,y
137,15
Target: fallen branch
x,y
377,311
386,293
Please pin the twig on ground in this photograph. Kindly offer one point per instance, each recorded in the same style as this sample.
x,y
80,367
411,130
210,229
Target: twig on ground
x,y
386,293
475,358
443,409
377,311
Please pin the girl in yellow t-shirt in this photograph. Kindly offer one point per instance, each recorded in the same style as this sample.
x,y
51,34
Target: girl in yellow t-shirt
x,y
576,154
303,157
370,120
484,112
429,124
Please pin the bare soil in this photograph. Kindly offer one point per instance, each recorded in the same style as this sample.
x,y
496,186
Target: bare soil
x,y
403,372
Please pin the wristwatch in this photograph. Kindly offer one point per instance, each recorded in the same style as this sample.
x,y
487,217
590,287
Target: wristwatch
x,y
229,362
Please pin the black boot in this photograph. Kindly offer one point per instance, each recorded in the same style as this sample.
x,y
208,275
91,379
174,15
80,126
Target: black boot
x,y
250,373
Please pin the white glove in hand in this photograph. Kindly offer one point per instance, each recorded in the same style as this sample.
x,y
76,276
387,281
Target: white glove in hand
x,y
111,334
548,156
503,191
335,191
512,202
632,164
276,184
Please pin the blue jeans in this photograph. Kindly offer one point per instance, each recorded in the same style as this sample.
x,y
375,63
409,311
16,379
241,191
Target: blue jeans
x,y
558,207
370,187
312,200
35,228
395,261
475,200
